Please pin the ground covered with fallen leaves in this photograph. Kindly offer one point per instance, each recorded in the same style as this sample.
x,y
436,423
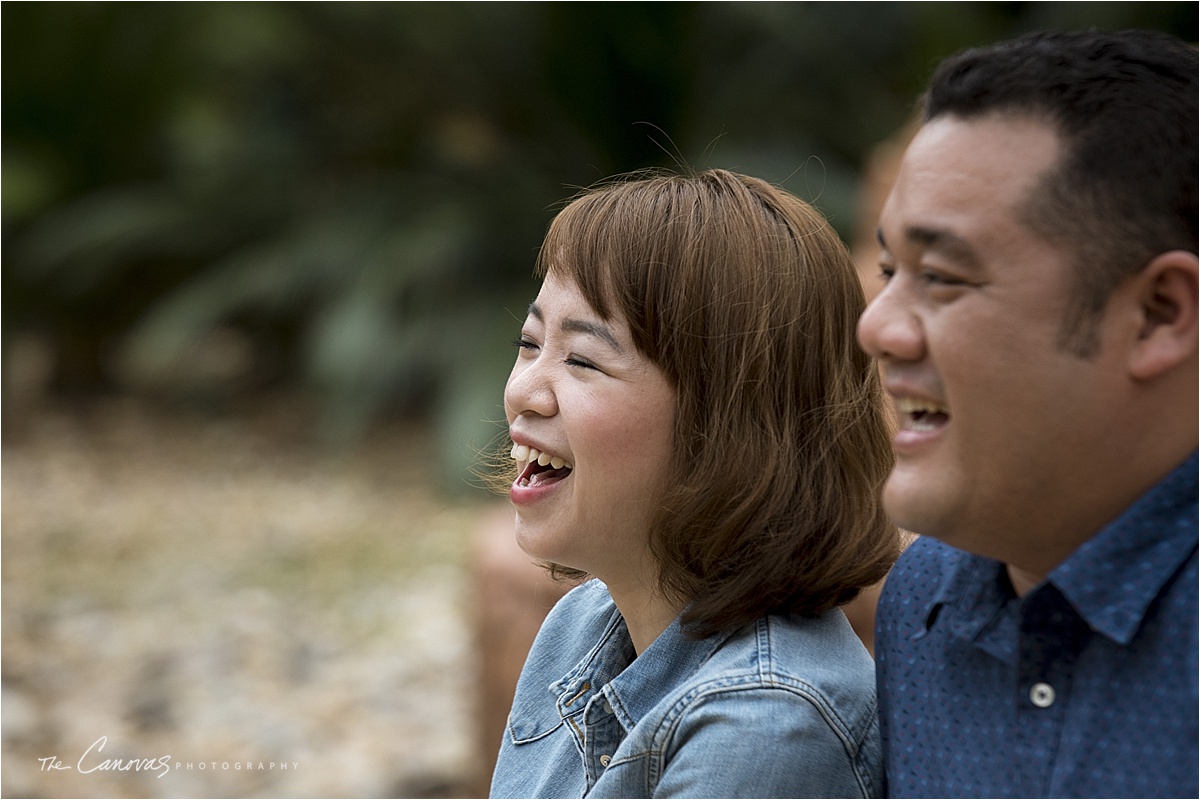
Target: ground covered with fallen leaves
x,y
200,606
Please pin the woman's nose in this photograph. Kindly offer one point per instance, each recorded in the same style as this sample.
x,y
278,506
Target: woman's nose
x,y
529,390
889,330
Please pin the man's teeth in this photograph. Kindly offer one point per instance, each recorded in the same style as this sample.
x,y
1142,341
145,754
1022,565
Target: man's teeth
x,y
526,454
911,405
921,415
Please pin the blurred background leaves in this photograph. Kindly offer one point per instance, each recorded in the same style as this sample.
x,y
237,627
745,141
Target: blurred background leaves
x,y
204,202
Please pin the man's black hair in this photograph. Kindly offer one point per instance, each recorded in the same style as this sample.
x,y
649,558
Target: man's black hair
x,y
1125,107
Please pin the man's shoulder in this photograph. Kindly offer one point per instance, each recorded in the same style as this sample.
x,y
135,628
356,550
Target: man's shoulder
x,y
921,571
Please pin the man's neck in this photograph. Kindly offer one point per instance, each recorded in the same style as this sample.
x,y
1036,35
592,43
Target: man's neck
x,y
1022,580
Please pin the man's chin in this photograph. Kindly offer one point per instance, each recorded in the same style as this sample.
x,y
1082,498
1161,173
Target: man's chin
x,y
912,505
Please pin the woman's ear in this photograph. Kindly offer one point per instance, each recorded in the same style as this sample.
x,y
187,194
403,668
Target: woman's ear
x,y
1166,293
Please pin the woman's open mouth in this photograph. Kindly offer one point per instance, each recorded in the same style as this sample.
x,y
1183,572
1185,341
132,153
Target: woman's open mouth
x,y
538,468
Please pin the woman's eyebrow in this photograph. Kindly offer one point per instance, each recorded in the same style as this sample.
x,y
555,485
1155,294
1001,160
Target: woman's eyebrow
x,y
591,329
586,327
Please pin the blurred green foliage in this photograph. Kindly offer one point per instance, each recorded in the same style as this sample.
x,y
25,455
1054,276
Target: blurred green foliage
x,y
209,200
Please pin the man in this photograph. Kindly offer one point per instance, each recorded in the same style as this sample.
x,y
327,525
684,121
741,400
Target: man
x,y
1038,333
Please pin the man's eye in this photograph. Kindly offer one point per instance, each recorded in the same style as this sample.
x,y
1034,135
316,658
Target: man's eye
x,y
524,344
576,361
940,279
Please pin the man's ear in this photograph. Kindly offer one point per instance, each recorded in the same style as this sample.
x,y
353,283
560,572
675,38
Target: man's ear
x,y
1168,313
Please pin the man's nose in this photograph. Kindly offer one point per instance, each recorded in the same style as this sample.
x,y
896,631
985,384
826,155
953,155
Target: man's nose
x,y
889,329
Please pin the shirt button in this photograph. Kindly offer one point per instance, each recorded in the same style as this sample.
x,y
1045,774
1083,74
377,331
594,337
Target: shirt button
x,y
1041,695
605,760
607,707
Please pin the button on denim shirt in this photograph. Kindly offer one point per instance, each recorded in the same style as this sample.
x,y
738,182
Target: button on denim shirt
x,y
784,707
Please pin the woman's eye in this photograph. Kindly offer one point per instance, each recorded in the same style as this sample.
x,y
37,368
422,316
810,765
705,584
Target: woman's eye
x,y
886,272
524,344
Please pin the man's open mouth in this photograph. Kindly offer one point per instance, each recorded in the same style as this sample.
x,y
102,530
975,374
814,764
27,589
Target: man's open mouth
x,y
921,415
538,468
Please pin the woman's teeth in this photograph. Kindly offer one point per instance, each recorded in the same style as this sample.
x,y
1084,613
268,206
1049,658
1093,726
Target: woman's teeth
x,y
526,455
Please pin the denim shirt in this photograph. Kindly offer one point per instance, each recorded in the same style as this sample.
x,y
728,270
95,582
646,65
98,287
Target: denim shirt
x,y
784,707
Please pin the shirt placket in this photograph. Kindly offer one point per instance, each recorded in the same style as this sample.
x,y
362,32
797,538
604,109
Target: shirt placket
x,y
1052,635
571,702
603,736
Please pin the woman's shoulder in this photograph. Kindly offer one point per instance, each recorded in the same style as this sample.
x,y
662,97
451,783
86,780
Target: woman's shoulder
x,y
799,646
804,686
784,660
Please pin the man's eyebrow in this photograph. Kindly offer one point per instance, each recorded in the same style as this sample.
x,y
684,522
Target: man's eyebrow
x,y
572,325
937,240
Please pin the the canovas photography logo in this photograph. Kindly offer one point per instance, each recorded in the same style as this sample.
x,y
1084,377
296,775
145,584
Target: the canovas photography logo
x,y
93,760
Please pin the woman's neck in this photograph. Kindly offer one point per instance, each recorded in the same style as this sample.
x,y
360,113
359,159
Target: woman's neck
x,y
647,613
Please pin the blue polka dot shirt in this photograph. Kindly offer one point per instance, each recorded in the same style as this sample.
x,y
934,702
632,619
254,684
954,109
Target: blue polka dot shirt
x,y
1085,687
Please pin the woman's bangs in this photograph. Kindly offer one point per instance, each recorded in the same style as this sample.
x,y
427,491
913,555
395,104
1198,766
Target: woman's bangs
x,y
582,245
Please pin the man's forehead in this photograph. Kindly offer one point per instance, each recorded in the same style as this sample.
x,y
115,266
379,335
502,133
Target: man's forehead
x,y
953,149
959,175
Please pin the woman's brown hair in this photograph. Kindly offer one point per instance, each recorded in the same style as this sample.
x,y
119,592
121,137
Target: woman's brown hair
x,y
748,301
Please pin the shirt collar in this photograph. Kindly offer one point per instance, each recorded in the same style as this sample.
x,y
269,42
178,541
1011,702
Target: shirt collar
x,y
1110,580
666,663
632,685
977,589
603,662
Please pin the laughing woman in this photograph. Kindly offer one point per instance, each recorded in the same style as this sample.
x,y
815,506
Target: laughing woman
x,y
696,431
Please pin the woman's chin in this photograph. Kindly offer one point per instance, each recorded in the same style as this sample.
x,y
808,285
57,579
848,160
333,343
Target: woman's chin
x,y
533,543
